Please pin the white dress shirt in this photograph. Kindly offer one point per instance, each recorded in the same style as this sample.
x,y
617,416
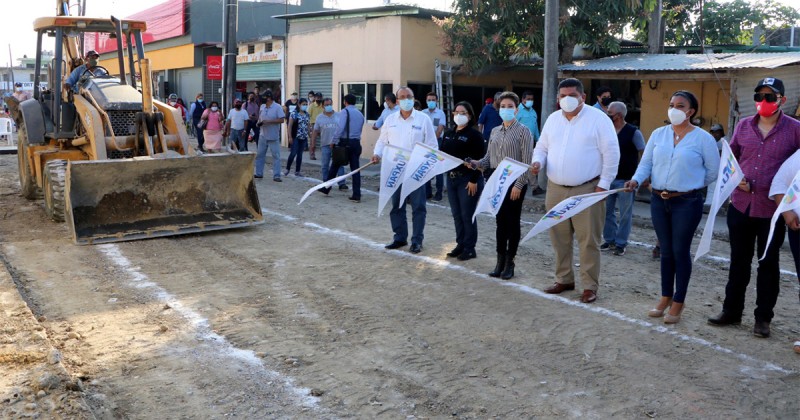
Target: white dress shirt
x,y
577,151
403,133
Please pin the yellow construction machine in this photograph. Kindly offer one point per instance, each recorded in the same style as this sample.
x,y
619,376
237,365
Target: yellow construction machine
x,y
111,161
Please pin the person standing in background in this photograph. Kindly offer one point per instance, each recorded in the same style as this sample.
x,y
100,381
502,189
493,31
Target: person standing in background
x,y
325,129
196,111
298,137
489,118
439,121
270,119
237,123
389,107
604,98
315,108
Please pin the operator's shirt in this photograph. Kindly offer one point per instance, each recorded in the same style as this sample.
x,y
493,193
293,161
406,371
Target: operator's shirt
x,y
76,74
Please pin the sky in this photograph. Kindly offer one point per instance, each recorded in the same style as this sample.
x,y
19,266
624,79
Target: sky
x,y
17,29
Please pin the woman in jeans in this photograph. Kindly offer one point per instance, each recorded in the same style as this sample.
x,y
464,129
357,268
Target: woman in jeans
x,y
464,185
514,140
298,136
679,159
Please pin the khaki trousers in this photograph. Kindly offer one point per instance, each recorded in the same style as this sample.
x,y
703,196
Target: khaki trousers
x,y
586,227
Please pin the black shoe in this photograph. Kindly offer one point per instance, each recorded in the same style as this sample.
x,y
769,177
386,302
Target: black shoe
x,y
429,196
508,271
467,255
324,190
343,187
619,250
415,248
437,197
396,244
277,179
761,329
537,191
607,246
354,199
258,176
725,318
455,252
498,268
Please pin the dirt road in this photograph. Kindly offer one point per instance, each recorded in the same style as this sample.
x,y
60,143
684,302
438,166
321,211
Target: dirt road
x,y
308,316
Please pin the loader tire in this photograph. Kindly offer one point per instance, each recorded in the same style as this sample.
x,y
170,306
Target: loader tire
x,y
27,182
54,180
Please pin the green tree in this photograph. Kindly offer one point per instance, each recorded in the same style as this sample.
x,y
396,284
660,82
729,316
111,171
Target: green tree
x,y
486,32
731,22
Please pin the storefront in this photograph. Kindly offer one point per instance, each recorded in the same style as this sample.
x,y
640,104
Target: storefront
x,y
260,64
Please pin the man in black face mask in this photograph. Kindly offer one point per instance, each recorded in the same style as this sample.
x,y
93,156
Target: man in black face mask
x,y
90,64
603,98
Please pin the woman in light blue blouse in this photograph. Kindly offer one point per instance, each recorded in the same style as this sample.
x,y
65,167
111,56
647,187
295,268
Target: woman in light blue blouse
x,y
679,159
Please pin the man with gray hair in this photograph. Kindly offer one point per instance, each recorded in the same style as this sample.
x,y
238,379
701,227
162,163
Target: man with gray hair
x,y
631,144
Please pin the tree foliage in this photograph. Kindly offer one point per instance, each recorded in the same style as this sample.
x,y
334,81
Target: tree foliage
x,y
731,22
486,32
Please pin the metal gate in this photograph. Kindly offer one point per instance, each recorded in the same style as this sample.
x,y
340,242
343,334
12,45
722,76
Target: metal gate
x,y
316,77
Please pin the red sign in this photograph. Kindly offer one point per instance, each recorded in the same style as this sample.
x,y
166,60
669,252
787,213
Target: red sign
x,y
214,67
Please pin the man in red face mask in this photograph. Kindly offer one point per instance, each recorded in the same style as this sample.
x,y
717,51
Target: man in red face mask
x,y
760,143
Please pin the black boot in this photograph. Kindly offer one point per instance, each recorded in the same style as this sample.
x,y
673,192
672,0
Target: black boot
x,y
508,272
501,263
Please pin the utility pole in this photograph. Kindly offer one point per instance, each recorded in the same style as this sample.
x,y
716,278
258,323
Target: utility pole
x,y
550,73
230,17
655,34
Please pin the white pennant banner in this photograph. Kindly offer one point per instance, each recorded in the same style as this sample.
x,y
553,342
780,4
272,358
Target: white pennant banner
x,y
494,192
791,201
425,163
393,166
329,183
728,178
566,209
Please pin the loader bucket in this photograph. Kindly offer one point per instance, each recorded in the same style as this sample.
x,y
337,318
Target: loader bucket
x,y
129,199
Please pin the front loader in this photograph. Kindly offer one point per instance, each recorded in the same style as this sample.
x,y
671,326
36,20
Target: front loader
x,y
111,161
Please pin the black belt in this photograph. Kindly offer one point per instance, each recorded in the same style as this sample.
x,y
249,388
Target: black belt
x,y
666,195
456,174
580,185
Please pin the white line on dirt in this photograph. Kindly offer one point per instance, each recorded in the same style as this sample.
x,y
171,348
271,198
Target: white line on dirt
x,y
538,293
201,325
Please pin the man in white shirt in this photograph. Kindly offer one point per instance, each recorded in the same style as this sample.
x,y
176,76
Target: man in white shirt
x,y
237,121
578,149
403,129
439,121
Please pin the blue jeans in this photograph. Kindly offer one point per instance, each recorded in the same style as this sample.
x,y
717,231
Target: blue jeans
x,y
261,157
298,145
326,164
462,205
675,221
237,137
439,184
617,230
418,213
354,153
198,133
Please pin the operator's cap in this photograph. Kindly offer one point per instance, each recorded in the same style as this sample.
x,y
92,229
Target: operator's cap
x,y
716,127
775,84
92,53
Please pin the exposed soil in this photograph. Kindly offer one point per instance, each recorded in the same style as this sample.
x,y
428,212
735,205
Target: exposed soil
x,y
308,316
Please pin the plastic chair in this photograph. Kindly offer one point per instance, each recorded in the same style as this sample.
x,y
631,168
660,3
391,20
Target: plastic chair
x,y
6,127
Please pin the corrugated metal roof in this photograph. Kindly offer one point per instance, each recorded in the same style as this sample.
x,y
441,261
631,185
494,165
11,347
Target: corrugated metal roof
x,y
684,62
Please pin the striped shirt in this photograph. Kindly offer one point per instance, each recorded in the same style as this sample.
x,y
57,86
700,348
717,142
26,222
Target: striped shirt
x,y
515,142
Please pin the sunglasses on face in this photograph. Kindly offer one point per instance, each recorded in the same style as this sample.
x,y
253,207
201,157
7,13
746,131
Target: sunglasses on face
x,y
769,97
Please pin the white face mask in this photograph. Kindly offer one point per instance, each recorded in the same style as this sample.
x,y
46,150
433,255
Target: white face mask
x,y
461,119
676,116
569,103
19,89
213,108
386,105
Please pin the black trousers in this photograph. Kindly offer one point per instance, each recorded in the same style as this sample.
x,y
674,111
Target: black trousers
x,y
747,233
508,217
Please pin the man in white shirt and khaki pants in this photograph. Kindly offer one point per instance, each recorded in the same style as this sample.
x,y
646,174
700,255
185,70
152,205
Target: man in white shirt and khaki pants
x,y
578,149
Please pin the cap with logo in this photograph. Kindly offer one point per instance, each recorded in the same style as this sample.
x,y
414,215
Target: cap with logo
x,y
775,84
18,84
716,127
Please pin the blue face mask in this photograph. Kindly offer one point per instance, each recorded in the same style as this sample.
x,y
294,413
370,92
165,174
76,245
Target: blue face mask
x,y
507,114
431,104
406,104
303,107
528,104
328,108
